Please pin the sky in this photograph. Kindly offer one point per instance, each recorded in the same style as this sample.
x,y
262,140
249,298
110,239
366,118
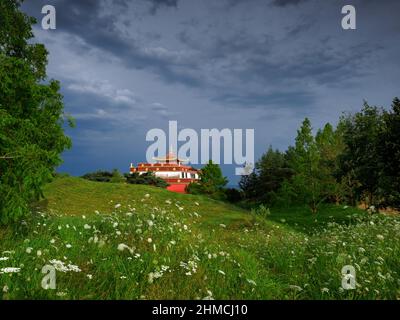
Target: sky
x,y
127,67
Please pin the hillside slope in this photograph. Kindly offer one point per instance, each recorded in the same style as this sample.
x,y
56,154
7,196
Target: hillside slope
x,y
117,241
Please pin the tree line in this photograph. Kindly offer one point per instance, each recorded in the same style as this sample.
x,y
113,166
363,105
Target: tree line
x,y
356,161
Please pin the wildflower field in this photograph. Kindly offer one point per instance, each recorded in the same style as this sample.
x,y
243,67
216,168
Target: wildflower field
x,y
119,241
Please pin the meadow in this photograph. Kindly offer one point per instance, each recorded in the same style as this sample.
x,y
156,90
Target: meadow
x,y
120,241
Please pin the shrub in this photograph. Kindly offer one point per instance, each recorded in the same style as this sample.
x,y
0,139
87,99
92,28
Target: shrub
x,y
261,211
233,195
147,178
99,176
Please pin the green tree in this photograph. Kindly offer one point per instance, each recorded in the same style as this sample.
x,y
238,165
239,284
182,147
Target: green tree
x,y
31,115
330,145
212,181
249,184
360,161
309,182
273,169
389,155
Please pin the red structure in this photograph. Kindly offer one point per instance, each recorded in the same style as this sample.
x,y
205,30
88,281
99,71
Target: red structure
x,y
171,169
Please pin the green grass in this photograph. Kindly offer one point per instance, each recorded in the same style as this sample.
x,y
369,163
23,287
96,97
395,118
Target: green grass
x,y
200,248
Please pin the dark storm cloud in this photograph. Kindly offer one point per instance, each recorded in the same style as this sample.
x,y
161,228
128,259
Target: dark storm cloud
x,y
156,4
96,24
245,56
284,3
254,99
273,61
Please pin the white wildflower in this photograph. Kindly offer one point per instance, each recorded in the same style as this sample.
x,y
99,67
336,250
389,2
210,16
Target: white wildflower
x,y
10,270
296,288
61,294
74,268
209,296
123,246
252,282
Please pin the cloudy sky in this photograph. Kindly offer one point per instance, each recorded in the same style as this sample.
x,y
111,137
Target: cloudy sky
x,y
129,66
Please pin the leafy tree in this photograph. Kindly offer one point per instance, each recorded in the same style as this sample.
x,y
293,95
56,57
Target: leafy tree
x,y
266,180
31,115
389,154
273,169
330,145
309,181
249,184
360,161
212,181
233,195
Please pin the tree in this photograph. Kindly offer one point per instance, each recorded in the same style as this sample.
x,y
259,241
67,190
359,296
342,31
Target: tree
x,y
389,155
330,145
249,184
31,115
273,169
212,181
233,195
360,160
309,182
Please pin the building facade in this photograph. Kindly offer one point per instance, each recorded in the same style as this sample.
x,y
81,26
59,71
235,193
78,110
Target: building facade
x,y
171,169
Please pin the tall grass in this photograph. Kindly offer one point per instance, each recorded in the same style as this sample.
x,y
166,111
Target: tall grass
x,y
152,244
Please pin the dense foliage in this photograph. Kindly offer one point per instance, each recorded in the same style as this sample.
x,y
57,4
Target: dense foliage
x,y
212,181
104,176
147,178
358,161
31,115
115,176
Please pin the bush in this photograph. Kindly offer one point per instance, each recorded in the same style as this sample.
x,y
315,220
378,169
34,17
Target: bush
x,y
233,195
261,211
99,176
147,178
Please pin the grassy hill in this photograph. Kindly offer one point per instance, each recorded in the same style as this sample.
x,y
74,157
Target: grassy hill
x,y
119,241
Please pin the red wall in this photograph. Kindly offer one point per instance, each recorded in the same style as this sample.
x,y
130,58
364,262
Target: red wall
x,y
180,188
